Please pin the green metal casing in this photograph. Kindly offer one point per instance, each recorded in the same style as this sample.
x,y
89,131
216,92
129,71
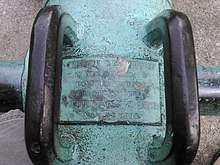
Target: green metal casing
x,y
112,102
112,107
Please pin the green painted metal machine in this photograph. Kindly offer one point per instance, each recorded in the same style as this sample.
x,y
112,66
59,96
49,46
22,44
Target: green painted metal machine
x,y
109,82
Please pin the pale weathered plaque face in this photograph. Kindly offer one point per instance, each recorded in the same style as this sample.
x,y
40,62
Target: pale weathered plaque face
x,y
110,89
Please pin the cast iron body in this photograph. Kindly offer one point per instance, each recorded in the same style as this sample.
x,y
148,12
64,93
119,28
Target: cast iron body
x,y
44,88
63,124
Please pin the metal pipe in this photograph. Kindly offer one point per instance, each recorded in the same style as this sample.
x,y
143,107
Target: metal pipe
x,y
209,82
209,92
10,85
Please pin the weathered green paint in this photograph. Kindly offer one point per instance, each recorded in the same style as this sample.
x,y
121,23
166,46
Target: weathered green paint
x,y
112,107
111,89
209,76
112,104
107,144
209,82
107,105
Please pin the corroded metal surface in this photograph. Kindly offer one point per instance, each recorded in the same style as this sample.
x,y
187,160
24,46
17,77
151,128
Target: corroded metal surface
x,y
111,89
208,132
119,31
108,72
209,82
108,144
209,90
107,103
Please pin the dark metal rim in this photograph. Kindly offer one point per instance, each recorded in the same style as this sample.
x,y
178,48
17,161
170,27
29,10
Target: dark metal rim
x,y
186,121
40,96
174,29
44,79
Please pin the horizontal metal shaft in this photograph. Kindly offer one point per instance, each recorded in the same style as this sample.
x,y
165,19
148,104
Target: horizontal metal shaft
x,y
209,82
209,92
10,85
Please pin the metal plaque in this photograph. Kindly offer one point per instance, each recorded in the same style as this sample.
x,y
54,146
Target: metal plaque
x,y
110,89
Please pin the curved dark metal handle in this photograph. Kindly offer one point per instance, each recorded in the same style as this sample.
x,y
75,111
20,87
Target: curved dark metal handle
x,y
173,31
44,78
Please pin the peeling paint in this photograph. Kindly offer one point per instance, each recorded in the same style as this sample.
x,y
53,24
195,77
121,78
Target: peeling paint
x,y
113,96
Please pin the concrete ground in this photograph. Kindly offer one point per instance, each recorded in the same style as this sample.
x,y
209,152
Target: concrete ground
x,y
16,18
